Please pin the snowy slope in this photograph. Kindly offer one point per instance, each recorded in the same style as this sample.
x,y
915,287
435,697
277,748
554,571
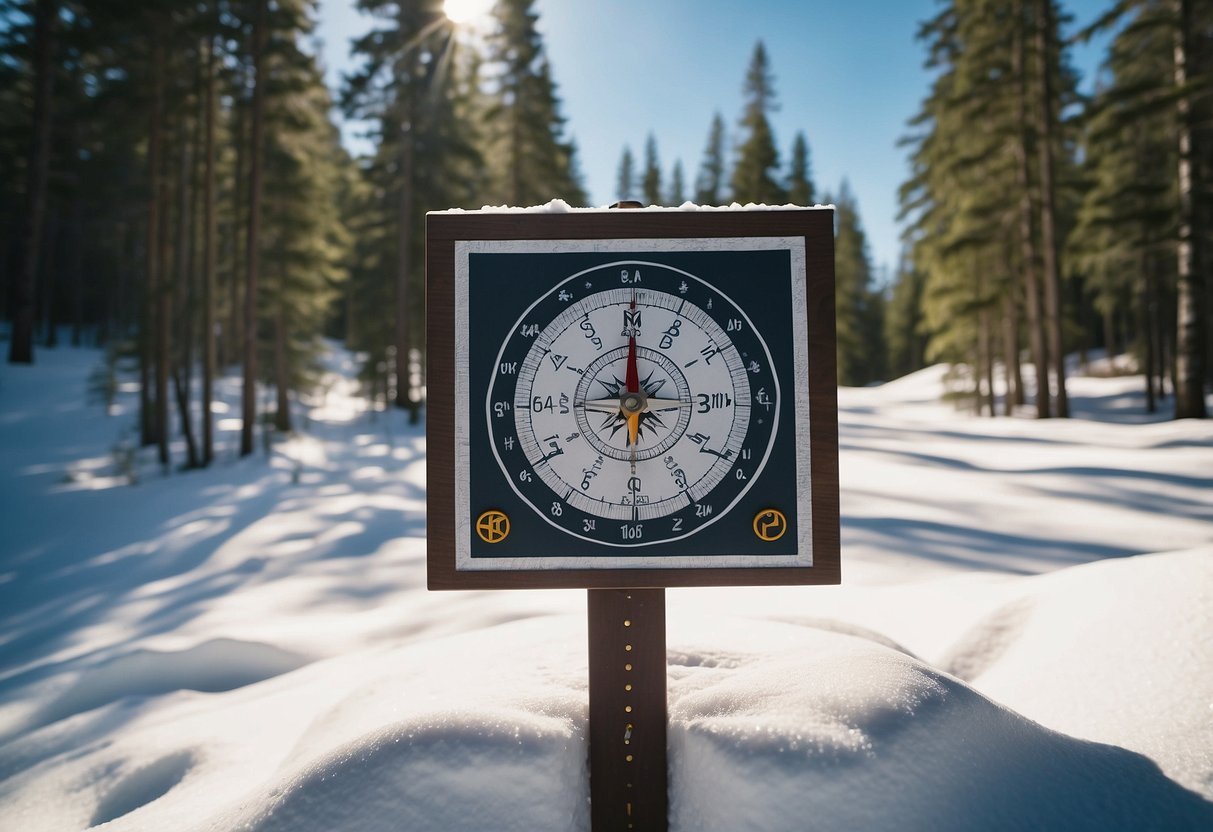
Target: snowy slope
x,y
252,647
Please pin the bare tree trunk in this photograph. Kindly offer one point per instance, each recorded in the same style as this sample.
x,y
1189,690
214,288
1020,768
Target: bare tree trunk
x,y
1032,301
1010,353
1149,319
147,329
1190,316
249,397
987,361
282,381
164,306
208,262
404,241
49,266
1048,233
184,300
76,271
234,340
29,245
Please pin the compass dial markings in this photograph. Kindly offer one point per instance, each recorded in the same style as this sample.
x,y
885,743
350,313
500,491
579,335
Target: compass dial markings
x,y
689,379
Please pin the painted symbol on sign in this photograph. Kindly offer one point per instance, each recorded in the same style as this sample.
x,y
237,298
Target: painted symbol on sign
x,y
493,526
770,524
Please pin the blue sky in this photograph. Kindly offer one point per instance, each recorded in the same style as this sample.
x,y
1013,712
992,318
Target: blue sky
x,y
848,74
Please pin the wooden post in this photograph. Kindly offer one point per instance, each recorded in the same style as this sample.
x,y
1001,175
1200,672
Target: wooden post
x,y
628,713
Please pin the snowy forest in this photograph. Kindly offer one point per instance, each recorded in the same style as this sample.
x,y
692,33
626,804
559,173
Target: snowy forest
x,y
214,492
172,180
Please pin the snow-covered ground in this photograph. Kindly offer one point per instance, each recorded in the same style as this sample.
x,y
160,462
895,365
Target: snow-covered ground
x,y
1023,640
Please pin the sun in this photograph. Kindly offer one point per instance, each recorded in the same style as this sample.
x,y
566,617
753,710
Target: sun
x,y
466,12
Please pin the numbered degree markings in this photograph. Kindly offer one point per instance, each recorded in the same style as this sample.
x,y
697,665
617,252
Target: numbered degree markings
x,y
633,404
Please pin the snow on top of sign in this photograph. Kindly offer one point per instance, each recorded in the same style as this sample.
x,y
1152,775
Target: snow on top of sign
x,y
559,206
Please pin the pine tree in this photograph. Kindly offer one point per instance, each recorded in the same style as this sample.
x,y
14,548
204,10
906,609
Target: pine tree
x,y
859,310
650,181
304,235
709,185
535,162
677,195
625,179
755,174
1000,66
800,178
903,322
1143,231
29,244
411,87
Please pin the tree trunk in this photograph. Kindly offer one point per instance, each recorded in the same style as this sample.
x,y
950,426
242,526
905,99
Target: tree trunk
x,y
21,343
1032,302
1189,300
147,358
282,380
987,361
1048,233
1010,353
184,298
76,271
249,397
164,299
208,262
49,269
234,338
181,383
404,241
1149,329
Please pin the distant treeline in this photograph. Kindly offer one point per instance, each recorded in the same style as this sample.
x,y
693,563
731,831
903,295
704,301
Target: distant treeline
x,y
1044,219
172,184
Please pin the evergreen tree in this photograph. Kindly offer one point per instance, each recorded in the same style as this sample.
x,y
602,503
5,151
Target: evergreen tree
x,y
859,310
800,178
410,87
755,174
677,194
625,180
999,65
29,243
535,162
303,235
709,186
1154,122
903,322
650,181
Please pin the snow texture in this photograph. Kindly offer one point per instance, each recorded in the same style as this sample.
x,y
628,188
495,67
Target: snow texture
x,y
1023,640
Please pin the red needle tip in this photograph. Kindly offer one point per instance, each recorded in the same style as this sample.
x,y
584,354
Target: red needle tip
x,y
633,377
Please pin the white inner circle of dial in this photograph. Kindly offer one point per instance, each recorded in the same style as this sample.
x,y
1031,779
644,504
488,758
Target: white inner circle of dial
x,y
571,414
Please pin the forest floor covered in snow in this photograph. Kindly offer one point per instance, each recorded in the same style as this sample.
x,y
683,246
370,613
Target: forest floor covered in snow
x,y
1023,639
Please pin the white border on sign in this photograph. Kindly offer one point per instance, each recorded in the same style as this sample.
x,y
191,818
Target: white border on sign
x,y
463,406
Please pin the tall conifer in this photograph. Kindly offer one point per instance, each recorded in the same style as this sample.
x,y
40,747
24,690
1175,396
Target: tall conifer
x,y
755,174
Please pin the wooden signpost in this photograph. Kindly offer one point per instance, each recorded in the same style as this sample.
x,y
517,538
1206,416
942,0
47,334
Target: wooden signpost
x,y
627,401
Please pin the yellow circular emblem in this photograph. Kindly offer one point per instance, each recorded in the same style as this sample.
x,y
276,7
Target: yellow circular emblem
x,y
493,526
770,524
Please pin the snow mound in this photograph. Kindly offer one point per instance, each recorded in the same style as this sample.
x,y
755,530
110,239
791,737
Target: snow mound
x,y
461,771
218,665
1139,644
853,735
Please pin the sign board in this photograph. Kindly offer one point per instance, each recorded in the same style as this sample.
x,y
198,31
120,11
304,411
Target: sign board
x,y
631,399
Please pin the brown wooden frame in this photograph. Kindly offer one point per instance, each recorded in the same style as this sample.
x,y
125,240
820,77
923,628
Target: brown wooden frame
x,y
816,226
